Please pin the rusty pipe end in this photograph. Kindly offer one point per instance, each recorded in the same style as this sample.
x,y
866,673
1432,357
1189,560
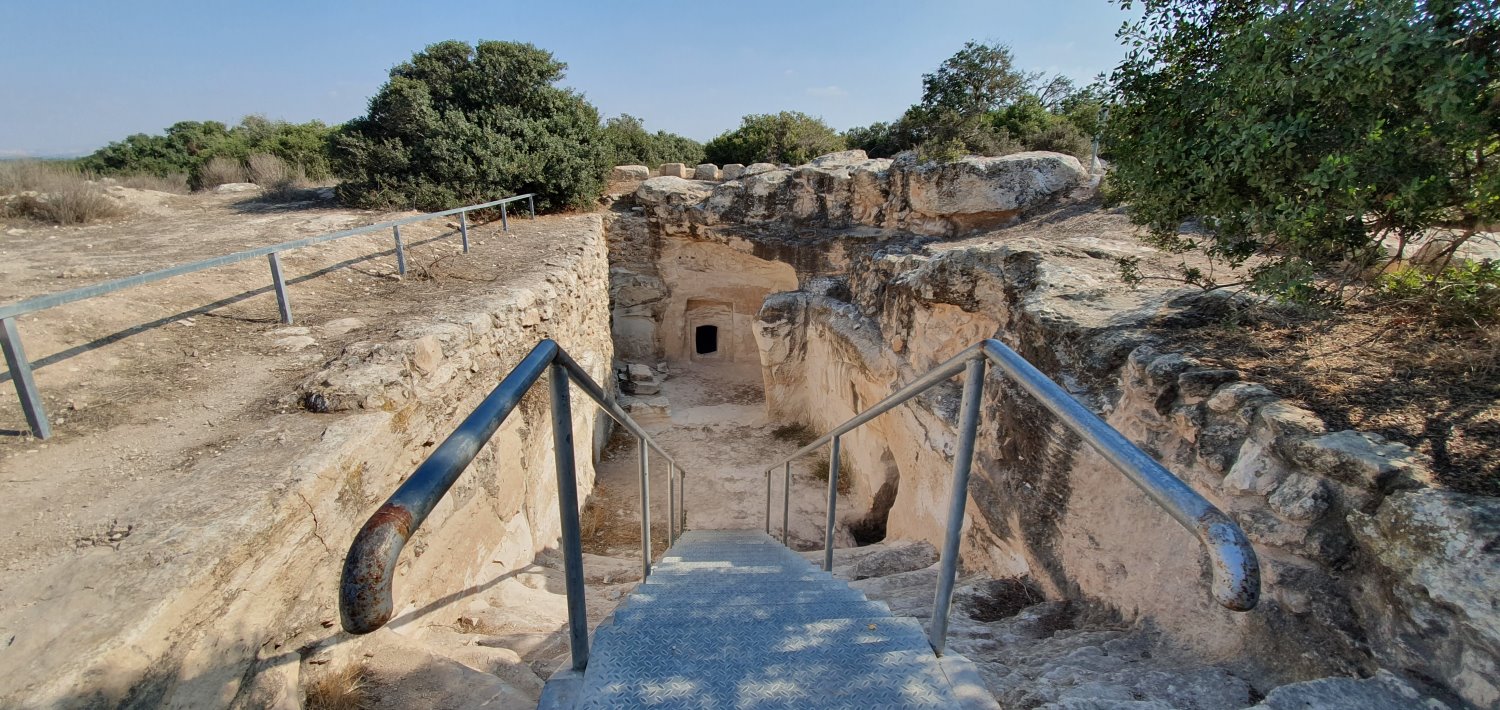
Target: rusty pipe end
x,y
1236,568
365,587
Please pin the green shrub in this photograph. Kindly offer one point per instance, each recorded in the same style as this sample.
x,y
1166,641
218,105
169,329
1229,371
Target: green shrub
x,y
460,124
1463,295
787,137
187,147
631,144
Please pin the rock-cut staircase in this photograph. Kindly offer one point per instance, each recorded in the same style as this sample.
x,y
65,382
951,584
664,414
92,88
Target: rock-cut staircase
x,y
732,619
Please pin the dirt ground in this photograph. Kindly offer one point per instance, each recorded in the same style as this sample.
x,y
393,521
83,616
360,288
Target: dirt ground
x,y
719,434
143,383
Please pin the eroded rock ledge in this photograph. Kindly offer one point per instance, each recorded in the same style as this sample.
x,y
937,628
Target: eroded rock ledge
x,y
1365,566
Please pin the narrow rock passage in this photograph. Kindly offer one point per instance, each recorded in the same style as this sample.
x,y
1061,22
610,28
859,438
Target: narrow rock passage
x,y
718,432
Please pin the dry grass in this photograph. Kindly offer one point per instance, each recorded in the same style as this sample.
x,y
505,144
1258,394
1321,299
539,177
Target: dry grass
x,y
281,182
220,170
1377,368
820,465
344,689
176,183
55,192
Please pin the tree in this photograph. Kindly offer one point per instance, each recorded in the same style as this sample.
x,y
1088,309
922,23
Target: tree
x,y
1307,133
460,124
787,137
976,80
631,144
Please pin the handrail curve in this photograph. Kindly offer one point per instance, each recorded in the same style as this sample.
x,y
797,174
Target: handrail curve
x,y
365,588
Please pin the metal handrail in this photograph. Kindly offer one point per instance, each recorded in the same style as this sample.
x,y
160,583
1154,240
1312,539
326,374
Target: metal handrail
x,y
20,366
1236,569
365,586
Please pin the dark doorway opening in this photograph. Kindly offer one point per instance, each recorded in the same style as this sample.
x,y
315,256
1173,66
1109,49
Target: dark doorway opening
x,y
706,339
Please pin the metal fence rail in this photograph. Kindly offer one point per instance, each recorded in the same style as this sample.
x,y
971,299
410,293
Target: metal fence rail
x,y
1236,569
365,587
20,366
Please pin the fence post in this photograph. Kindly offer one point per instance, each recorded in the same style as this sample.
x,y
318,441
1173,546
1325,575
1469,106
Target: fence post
x,y
768,501
20,376
567,503
282,302
671,504
400,251
463,229
786,502
504,220
963,460
531,204
645,464
833,502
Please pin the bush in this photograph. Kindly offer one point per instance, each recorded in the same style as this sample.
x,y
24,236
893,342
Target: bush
x,y
787,137
1465,295
219,170
1308,133
630,144
461,124
189,146
280,181
55,192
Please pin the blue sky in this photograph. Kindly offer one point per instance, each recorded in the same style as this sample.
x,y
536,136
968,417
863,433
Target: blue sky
x,y
80,73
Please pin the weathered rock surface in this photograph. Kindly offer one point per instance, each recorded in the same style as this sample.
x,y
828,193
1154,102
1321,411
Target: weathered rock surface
x,y
848,189
677,170
733,171
625,173
1383,692
706,171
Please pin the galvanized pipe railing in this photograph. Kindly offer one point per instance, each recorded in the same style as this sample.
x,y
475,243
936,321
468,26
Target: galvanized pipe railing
x,y
365,586
1236,569
20,366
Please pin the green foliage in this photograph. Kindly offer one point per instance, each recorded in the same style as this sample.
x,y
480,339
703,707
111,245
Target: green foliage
x,y
188,146
460,124
1306,133
631,144
787,137
878,140
976,80
1467,294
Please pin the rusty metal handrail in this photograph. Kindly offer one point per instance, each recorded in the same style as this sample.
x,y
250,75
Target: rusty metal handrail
x,y
365,587
1236,569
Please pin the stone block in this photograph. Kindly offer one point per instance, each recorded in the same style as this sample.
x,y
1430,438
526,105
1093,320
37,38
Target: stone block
x,y
623,173
677,170
706,171
733,171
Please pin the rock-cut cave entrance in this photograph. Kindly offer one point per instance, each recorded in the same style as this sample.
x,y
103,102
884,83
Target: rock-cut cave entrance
x,y
706,339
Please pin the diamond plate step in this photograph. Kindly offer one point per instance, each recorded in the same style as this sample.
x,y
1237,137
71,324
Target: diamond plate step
x,y
788,613
902,633
690,599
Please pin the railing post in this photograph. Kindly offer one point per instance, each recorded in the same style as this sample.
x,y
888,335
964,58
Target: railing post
x,y
531,204
400,251
671,504
786,502
567,503
20,376
463,229
282,302
768,501
645,465
833,502
682,496
963,461
504,220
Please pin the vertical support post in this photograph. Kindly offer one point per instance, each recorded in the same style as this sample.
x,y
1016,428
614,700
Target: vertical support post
x,y
463,229
768,501
645,465
20,376
531,205
833,503
786,502
671,504
282,302
400,251
682,496
567,503
963,461
504,220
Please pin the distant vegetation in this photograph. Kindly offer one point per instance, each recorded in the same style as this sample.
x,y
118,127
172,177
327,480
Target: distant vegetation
x,y
978,103
52,191
1315,138
786,137
460,124
631,144
188,147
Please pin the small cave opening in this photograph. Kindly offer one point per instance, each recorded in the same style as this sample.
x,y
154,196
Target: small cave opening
x,y
871,528
706,339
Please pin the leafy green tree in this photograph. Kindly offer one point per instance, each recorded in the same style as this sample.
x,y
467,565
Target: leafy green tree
x,y
787,137
188,146
631,144
1307,133
461,124
976,80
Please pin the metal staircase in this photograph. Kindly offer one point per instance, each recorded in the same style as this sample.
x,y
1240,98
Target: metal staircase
x,y
734,619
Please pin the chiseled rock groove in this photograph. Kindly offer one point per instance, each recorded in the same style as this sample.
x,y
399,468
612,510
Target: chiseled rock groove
x,y
1364,567
220,613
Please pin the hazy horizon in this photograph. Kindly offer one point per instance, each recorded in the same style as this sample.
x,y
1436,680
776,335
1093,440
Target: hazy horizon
x,y
681,67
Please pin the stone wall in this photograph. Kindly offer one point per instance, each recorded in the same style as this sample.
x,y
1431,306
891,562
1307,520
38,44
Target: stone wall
x,y
216,614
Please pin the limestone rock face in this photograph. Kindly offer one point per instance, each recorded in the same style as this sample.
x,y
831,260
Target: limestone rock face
x,y
1383,692
848,189
1440,553
624,173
